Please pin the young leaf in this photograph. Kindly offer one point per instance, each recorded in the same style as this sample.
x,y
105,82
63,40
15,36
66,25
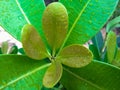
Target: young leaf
x,y
4,47
16,13
55,24
111,46
75,56
32,43
86,18
52,75
19,72
116,62
95,76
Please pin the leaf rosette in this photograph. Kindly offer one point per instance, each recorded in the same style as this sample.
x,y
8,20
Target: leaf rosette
x,y
55,27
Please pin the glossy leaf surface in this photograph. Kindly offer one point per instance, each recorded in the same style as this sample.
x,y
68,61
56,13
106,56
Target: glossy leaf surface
x,y
55,24
52,75
75,56
111,46
95,76
16,13
86,18
21,73
32,43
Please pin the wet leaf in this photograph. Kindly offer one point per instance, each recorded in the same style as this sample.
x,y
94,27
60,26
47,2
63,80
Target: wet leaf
x,y
86,18
55,24
32,43
16,13
75,56
18,72
95,76
53,74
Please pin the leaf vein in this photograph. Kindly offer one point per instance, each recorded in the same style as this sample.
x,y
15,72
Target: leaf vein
x,y
76,20
25,75
23,13
80,78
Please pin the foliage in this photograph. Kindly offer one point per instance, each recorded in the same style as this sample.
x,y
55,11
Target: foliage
x,y
60,50
117,11
110,48
8,49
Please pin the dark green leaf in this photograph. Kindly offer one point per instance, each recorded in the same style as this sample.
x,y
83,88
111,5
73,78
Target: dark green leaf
x,y
13,50
95,76
16,13
118,41
55,24
111,46
52,75
0,51
21,73
94,51
86,18
32,43
75,56
21,50
98,42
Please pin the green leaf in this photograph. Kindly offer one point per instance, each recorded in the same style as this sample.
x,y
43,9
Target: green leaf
x,y
116,61
55,24
98,42
16,13
75,56
86,18
112,24
21,73
53,74
13,50
0,51
111,46
4,47
118,41
95,76
21,50
94,50
32,43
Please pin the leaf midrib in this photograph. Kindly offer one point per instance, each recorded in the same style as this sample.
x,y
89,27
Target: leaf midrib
x,y
75,22
80,78
22,11
25,75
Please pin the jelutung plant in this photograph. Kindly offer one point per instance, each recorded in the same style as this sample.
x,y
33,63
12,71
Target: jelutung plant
x,y
53,38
